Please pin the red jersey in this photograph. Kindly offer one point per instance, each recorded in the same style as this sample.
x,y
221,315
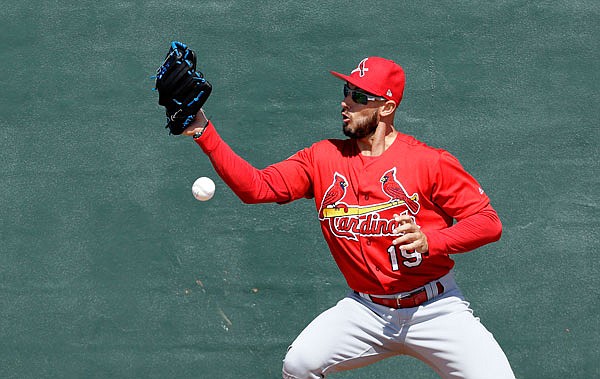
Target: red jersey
x,y
356,197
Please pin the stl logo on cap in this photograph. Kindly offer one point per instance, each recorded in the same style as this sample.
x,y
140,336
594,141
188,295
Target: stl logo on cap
x,y
361,69
383,77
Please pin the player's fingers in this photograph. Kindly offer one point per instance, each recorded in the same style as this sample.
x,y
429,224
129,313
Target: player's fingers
x,y
406,238
402,219
407,228
419,245
410,247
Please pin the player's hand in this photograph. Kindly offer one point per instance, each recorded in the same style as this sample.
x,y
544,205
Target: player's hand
x,y
413,238
198,125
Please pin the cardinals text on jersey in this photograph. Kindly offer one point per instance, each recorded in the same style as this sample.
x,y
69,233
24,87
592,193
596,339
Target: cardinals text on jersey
x,y
350,221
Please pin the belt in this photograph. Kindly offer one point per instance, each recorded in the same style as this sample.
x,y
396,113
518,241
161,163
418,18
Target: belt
x,y
410,299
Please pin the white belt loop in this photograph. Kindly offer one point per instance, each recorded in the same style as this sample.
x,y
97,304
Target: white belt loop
x,y
431,289
447,281
364,296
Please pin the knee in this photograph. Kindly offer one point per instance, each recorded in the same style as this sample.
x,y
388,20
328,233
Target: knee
x,y
300,364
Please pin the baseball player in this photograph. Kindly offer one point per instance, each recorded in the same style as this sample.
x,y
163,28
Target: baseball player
x,y
392,210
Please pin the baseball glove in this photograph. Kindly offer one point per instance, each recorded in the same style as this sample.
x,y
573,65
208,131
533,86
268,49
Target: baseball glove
x,y
181,89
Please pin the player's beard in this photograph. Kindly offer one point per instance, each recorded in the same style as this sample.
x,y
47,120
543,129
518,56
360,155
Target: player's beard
x,y
363,127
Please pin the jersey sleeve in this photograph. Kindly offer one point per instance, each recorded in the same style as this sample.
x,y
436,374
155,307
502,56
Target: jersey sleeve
x,y
455,190
461,197
281,182
467,234
297,173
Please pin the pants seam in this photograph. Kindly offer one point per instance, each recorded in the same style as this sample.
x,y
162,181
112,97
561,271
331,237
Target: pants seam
x,y
364,354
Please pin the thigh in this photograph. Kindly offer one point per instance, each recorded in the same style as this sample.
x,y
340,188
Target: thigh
x,y
344,337
454,342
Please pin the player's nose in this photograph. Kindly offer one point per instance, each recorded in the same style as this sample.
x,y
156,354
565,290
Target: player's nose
x,y
347,99
345,103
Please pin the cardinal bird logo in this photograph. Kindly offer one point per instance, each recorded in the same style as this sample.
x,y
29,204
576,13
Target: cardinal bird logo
x,y
392,187
335,193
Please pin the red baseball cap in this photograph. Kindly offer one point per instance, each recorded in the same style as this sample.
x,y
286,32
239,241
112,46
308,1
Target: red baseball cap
x,y
378,76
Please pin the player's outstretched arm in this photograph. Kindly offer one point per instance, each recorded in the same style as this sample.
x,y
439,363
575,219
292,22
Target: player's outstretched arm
x,y
182,91
250,184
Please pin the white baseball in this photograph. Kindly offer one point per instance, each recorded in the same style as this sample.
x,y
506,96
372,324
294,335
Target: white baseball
x,y
203,188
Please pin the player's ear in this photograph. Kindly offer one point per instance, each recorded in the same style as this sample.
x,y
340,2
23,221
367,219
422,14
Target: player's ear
x,y
387,109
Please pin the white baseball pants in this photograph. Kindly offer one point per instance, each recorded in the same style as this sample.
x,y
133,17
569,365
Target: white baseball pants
x,y
442,332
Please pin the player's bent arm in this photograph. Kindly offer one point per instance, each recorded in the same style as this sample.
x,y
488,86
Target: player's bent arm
x,y
467,234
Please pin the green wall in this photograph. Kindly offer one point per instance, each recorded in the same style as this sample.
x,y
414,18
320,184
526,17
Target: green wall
x,y
109,268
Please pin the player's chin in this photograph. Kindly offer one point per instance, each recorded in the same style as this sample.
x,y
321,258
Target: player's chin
x,y
346,128
349,131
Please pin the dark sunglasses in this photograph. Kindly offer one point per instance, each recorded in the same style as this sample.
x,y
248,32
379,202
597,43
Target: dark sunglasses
x,y
360,97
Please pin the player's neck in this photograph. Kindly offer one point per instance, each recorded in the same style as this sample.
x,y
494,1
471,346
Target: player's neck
x,y
378,142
